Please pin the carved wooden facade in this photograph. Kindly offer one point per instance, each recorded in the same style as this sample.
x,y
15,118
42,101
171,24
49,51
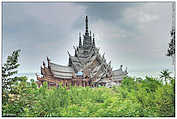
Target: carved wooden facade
x,y
86,61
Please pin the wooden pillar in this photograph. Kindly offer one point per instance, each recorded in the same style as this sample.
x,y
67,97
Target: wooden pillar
x,y
83,83
71,82
63,83
47,84
86,83
56,84
66,84
74,83
78,83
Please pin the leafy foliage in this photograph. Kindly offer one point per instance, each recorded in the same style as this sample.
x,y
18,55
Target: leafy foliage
x,y
9,69
165,74
145,98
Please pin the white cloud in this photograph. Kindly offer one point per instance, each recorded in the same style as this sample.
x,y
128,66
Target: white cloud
x,y
141,14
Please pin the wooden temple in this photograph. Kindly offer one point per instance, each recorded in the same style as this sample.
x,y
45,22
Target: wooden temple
x,y
86,68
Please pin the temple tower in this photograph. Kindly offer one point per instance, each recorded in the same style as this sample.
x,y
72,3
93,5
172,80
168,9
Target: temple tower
x,y
87,39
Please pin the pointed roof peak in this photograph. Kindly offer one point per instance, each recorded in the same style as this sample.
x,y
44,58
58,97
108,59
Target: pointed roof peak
x,y
68,53
93,40
80,41
86,25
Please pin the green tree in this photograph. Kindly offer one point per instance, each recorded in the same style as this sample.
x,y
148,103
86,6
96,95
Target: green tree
x,y
165,74
8,70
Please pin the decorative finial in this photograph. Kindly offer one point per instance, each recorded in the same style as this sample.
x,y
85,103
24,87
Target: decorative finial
x,y
80,40
36,74
103,55
68,53
42,71
75,53
93,40
126,69
44,64
48,59
74,47
121,67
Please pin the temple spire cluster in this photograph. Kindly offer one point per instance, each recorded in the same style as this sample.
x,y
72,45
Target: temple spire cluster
x,y
85,65
88,40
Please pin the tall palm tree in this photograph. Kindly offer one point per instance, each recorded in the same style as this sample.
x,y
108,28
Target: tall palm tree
x,y
165,74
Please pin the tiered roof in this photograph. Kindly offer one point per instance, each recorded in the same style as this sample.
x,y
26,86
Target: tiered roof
x,y
87,60
60,71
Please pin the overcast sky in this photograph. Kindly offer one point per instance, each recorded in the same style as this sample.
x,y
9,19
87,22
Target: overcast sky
x,y
135,35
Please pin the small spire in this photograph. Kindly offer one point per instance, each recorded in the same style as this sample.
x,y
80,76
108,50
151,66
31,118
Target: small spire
x,y
75,50
68,53
93,40
36,74
41,71
44,64
74,47
126,69
48,60
109,62
103,55
75,53
80,40
90,38
121,67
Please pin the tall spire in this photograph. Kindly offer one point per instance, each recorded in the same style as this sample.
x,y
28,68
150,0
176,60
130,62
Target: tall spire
x,y
75,53
93,40
90,38
86,26
80,41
